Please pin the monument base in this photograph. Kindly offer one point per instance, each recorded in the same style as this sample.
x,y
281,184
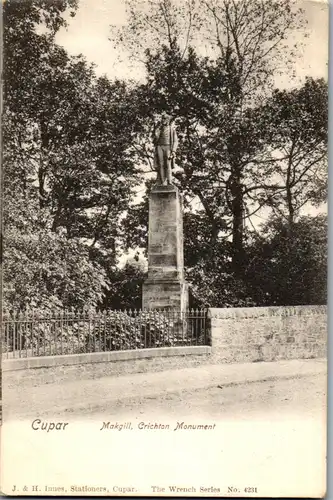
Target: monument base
x,y
165,287
165,294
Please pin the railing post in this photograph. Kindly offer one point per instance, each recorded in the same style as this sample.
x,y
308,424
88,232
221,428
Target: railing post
x,y
19,332
208,328
93,328
98,329
134,329
144,316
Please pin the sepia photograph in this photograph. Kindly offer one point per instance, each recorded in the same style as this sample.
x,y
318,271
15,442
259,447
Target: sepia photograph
x,y
164,190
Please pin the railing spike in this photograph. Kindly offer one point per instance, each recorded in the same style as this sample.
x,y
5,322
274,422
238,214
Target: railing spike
x,y
152,327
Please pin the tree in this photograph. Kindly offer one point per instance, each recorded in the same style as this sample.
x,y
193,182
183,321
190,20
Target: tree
x,y
24,48
20,40
288,266
152,24
67,134
67,156
77,147
125,291
297,121
217,99
210,141
69,141
44,269
250,36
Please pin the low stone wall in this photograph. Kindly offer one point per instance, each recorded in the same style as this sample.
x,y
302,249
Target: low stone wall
x,y
57,369
237,335
268,333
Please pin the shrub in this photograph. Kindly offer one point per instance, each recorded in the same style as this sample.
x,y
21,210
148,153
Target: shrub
x,y
73,333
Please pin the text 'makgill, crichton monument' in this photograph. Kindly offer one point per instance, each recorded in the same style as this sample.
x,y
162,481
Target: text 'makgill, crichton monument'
x,y
165,287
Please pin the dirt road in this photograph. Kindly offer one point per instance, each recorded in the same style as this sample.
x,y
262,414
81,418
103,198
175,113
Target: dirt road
x,y
293,386
305,396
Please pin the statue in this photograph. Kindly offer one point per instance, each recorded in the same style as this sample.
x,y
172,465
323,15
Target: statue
x,y
165,142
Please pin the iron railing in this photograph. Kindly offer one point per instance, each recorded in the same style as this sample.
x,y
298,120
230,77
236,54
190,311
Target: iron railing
x,y
32,333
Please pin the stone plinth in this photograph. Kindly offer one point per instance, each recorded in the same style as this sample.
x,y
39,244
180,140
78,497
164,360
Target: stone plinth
x,y
165,287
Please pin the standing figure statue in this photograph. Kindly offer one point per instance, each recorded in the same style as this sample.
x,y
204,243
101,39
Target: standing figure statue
x,y
165,142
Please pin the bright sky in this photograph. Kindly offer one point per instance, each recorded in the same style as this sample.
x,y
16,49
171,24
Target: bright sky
x,y
88,34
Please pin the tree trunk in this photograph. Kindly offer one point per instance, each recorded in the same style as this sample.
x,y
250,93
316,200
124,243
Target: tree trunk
x,y
291,210
289,194
215,226
236,189
42,169
41,183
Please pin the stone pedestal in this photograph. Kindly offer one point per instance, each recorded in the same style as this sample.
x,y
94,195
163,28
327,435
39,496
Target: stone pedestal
x,y
165,287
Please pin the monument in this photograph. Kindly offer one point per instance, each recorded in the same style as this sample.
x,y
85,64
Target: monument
x,y
165,287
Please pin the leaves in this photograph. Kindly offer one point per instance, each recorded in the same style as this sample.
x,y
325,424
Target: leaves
x,y
78,154
287,265
69,170
45,269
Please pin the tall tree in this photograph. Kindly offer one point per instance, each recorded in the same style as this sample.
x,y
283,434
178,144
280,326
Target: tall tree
x,y
288,265
24,47
67,134
247,46
44,269
67,154
297,123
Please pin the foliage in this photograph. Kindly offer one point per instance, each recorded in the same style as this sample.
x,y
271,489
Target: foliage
x,y
218,288
78,152
249,36
68,166
125,289
297,122
69,142
222,104
287,265
24,48
45,269
49,333
232,168
284,265
136,331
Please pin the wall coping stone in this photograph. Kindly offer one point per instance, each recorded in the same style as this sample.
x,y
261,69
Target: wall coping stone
x,y
101,357
257,312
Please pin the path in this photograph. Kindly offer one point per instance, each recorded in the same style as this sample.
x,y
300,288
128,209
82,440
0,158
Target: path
x,y
89,396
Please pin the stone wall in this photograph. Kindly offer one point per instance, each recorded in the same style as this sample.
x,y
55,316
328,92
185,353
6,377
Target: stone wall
x,y
237,335
268,333
89,369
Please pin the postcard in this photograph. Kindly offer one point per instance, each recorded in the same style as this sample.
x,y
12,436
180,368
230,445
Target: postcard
x,y
164,218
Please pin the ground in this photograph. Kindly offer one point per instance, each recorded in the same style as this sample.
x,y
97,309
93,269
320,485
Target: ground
x,y
289,386
296,396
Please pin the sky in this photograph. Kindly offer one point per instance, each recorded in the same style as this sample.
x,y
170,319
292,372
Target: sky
x,y
89,30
